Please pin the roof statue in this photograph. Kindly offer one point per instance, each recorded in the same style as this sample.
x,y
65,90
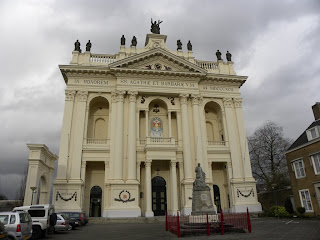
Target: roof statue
x,y
155,26
77,46
218,54
228,56
123,40
134,41
179,45
88,46
189,46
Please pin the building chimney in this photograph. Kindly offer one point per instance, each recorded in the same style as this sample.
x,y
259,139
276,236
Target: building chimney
x,y
316,110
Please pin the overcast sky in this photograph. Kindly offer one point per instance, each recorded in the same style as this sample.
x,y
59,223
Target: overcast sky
x,y
275,43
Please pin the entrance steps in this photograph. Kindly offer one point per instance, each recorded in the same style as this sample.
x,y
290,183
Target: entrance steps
x,y
101,220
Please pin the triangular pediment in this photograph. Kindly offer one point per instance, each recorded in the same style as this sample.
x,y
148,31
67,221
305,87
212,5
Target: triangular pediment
x,y
157,59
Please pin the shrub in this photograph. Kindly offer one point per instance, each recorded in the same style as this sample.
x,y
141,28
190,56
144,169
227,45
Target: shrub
x,y
301,210
288,206
282,212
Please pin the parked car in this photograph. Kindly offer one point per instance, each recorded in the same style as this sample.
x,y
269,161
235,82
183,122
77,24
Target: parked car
x,y
43,219
78,216
62,223
74,223
18,224
3,232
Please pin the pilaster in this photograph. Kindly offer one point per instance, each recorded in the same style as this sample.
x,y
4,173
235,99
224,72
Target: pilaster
x,y
149,212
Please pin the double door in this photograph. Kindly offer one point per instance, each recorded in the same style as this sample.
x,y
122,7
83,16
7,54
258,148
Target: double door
x,y
159,200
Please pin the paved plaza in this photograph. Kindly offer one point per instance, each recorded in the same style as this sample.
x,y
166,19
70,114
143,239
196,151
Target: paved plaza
x,y
262,228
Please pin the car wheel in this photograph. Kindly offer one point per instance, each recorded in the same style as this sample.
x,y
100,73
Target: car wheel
x,y
36,233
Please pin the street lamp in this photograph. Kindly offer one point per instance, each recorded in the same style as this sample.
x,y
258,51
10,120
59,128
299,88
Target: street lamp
x,y
33,191
274,185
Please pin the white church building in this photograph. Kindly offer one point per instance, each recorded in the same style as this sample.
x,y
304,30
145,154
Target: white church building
x,y
135,126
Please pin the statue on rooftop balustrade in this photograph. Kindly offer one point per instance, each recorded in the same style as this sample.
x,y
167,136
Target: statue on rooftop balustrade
x,y
155,26
189,46
77,46
228,56
218,54
179,45
88,46
123,40
134,41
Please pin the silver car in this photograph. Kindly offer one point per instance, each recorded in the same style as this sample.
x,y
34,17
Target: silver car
x,y
18,224
62,223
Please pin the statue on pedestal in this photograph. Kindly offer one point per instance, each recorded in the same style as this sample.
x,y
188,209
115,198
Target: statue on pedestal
x,y
189,46
88,46
218,54
123,40
201,197
228,56
77,46
155,26
134,41
179,45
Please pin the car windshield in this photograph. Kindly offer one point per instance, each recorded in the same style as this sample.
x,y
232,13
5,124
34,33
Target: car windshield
x,y
75,215
4,219
64,216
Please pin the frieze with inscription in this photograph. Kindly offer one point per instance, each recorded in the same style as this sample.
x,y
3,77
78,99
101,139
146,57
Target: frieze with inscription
x,y
217,88
154,83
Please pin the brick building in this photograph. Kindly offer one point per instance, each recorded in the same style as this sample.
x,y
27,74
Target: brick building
x,y
303,158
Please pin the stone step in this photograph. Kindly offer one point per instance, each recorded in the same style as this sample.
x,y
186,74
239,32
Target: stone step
x,y
101,220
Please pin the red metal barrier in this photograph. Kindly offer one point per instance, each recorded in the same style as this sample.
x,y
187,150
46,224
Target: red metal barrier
x,y
221,223
178,225
208,229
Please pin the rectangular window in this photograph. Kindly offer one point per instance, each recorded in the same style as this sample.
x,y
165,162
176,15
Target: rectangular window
x,y
299,168
316,163
313,133
306,200
37,213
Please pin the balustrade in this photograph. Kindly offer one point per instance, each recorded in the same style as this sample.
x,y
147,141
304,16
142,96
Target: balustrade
x,y
212,143
102,59
91,141
207,65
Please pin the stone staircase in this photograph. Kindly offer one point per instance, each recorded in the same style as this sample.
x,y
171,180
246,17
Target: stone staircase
x,y
101,220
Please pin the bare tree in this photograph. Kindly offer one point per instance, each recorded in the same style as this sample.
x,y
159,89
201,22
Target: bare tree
x,y
22,188
267,148
3,197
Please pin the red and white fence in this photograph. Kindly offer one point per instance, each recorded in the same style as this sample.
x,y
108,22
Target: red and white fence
x,y
220,223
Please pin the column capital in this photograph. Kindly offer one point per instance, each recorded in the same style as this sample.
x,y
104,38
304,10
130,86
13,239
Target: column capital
x,y
133,96
106,164
195,99
227,102
147,163
173,163
183,98
84,164
120,95
237,102
138,164
82,96
70,95
113,97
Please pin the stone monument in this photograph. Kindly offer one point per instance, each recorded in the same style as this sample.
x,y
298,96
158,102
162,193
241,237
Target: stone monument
x,y
201,197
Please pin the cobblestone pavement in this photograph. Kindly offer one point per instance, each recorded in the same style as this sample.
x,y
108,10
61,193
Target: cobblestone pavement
x,y
262,228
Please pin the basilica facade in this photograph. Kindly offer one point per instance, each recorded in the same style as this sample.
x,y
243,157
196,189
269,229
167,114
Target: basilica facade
x,y
137,123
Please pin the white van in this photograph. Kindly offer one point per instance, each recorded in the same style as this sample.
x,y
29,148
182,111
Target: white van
x,y
43,219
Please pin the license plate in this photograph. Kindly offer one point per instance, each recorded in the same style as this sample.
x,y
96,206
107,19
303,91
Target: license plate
x,y
26,237
77,223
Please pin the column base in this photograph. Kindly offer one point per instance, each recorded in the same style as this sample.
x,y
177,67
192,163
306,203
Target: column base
x,y
186,211
67,197
149,214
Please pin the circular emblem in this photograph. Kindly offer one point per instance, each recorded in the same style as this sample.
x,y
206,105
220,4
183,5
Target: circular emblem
x,y
157,66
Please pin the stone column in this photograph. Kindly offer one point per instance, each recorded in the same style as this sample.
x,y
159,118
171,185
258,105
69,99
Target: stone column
x,y
77,139
65,135
179,128
113,135
230,190
119,138
148,191
138,124
203,133
188,168
243,140
106,171
174,192
233,138
197,131
132,138
147,123
83,170
138,171
170,126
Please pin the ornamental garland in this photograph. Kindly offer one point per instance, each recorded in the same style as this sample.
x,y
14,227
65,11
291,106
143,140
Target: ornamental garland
x,y
66,199
124,201
245,195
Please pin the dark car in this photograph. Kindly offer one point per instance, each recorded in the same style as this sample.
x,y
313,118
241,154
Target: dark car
x,y
77,216
86,220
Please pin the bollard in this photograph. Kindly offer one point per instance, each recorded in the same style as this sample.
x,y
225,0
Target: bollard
x,y
249,222
221,224
178,225
208,229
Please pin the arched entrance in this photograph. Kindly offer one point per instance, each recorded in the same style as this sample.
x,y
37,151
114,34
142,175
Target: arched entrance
x,y
217,200
159,196
95,201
